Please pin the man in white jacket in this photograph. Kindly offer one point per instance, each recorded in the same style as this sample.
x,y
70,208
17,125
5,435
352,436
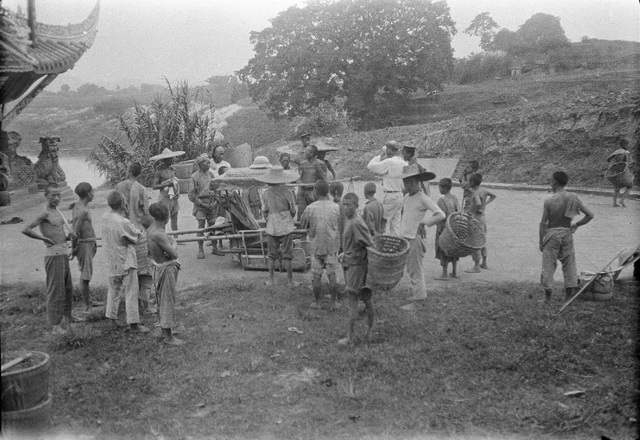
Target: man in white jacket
x,y
390,165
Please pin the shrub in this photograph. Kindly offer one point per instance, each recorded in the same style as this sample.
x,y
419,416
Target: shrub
x,y
482,66
112,107
327,119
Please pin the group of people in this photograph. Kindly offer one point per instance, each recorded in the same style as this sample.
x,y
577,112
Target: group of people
x,y
143,259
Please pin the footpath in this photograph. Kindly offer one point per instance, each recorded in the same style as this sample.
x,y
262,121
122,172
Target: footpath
x,y
512,241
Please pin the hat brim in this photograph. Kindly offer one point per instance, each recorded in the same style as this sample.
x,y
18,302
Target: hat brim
x,y
259,167
321,146
166,155
422,177
287,176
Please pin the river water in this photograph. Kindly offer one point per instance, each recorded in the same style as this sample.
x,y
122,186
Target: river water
x,y
78,170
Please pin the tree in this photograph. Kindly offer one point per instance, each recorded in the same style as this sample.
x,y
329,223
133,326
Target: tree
x,y
90,89
371,53
507,41
542,33
485,27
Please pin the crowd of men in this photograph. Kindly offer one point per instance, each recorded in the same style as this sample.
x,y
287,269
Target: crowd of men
x,y
143,260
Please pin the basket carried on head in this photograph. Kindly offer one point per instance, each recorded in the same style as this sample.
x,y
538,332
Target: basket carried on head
x,y
462,235
620,175
386,262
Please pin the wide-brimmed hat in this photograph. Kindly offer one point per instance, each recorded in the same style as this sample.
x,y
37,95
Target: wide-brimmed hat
x,y
617,152
414,170
277,174
260,162
321,146
409,147
166,154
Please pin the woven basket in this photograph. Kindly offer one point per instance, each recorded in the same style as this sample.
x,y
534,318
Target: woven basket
x,y
184,170
386,262
620,175
29,423
462,236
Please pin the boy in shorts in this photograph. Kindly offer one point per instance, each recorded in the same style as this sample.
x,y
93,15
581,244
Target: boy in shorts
x,y
84,240
164,257
320,219
355,241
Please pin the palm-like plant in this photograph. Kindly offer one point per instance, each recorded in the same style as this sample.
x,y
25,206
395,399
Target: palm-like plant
x,y
179,121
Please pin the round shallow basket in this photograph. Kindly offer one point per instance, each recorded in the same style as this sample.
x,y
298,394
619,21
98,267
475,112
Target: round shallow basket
x,y
620,175
26,387
386,262
462,236
28,423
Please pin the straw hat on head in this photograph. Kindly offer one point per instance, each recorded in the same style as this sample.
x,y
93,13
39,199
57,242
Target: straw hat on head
x,y
277,174
260,163
166,154
321,146
414,170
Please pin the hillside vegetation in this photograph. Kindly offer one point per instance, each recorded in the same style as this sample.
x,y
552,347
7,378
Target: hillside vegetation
x,y
519,130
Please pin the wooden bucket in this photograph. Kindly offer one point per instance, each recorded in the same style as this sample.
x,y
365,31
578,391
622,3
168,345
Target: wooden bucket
x,y
620,175
27,423
24,388
386,262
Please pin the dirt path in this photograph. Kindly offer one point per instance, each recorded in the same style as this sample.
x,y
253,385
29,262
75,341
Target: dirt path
x,y
512,244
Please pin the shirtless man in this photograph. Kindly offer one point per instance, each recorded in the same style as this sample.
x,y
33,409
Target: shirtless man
x,y
164,256
311,170
54,232
556,235
84,240
165,180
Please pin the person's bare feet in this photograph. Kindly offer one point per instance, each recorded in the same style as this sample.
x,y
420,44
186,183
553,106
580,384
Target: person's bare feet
x,y
453,275
173,341
474,270
344,341
616,205
484,266
200,255
442,278
216,251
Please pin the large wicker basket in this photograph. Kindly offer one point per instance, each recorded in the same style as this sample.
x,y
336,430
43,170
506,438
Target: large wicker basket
x,y
386,262
462,236
620,175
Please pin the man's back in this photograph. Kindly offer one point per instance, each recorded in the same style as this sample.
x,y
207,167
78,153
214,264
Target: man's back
x,y
557,206
321,218
373,215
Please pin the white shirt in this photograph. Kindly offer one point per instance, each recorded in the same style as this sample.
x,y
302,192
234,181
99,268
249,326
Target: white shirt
x,y
416,211
214,167
391,170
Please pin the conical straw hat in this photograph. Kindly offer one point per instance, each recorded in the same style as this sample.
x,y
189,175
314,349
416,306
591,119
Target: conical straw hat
x,y
166,153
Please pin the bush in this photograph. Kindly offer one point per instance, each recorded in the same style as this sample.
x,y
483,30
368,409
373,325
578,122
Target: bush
x,y
113,107
482,66
255,127
327,120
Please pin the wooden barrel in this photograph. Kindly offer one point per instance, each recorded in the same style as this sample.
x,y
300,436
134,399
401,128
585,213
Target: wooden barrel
x,y
28,423
27,386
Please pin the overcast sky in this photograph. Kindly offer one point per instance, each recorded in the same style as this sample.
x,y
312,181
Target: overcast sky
x,y
145,40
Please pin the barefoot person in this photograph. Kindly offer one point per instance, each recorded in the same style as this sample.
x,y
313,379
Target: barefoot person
x,y
119,237
84,240
279,207
311,170
54,232
321,221
355,241
449,204
164,256
478,199
415,216
621,155
166,181
204,205
556,235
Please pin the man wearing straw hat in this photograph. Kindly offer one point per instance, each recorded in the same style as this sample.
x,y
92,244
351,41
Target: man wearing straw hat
x,y
621,155
409,156
279,207
415,217
390,165
165,180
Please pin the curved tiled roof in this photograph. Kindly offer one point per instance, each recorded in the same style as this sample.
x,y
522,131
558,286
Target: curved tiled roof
x,y
54,50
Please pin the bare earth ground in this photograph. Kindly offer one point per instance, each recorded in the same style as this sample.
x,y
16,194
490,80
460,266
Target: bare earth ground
x,y
481,358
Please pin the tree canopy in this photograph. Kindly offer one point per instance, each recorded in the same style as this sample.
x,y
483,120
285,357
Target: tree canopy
x,y
542,33
485,27
369,53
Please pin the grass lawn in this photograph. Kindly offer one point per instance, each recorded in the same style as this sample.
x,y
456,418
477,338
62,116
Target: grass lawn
x,y
483,360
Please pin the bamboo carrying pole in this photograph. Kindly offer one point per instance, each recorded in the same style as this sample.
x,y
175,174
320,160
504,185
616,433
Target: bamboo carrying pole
x,y
256,233
588,283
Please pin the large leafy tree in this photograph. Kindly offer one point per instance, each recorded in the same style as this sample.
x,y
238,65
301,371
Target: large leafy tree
x,y
485,27
367,53
542,33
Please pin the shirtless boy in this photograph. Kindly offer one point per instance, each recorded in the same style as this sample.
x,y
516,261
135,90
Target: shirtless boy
x,y
84,240
164,256
54,232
